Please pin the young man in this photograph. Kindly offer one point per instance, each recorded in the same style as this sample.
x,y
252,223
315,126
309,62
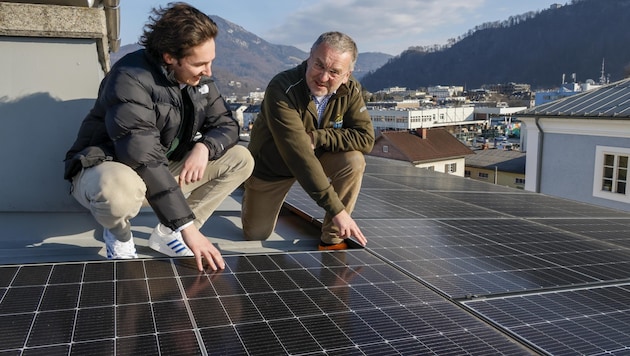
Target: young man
x,y
313,127
159,130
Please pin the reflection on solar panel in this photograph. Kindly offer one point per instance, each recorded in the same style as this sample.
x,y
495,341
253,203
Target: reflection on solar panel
x,y
304,303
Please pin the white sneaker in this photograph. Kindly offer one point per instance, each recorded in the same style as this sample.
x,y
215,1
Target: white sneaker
x,y
118,250
170,243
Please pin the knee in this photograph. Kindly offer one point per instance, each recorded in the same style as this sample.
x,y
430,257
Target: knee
x,y
345,164
124,195
355,161
254,232
244,162
255,235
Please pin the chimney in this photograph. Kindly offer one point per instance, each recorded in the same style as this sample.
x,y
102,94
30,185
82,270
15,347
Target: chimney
x,y
423,134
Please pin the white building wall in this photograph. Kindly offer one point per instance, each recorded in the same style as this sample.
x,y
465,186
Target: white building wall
x,y
529,143
48,86
439,166
386,119
568,163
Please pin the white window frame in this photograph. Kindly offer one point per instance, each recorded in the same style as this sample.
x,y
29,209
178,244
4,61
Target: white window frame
x,y
598,176
450,168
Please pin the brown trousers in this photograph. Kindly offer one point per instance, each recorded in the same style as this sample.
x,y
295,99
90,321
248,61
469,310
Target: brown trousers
x,y
263,200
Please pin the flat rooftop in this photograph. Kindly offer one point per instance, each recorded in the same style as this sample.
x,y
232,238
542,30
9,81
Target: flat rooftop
x,y
453,266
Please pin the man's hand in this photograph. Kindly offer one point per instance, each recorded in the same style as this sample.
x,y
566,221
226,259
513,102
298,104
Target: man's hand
x,y
201,247
348,227
194,165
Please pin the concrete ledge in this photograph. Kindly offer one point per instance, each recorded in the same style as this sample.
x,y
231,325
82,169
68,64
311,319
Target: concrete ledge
x,y
33,20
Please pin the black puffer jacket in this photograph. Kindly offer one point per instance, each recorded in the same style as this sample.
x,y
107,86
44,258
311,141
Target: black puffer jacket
x,y
135,120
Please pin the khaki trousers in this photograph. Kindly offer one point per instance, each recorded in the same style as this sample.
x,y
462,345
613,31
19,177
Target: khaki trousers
x,y
263,200
114,193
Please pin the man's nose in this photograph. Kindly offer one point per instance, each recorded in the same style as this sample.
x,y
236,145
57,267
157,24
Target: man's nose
x,y
207,70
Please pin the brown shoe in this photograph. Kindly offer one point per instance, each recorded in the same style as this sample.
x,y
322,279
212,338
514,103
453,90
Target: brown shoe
x,y
332,247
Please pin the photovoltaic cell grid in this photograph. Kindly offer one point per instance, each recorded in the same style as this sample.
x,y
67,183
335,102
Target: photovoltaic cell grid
x,y
380,204
342,303
430,181
468,258
614,231
593,321
529,205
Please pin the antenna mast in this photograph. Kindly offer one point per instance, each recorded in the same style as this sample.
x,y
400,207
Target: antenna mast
x,y
602,77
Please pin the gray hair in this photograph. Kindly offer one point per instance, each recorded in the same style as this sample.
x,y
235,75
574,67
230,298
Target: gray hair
x,y
339,41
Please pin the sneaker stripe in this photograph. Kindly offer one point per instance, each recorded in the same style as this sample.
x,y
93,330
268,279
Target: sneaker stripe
x,y
177,246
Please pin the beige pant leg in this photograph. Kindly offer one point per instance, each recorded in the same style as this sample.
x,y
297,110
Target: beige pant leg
x,y
261,205
345,170
113,193
220,179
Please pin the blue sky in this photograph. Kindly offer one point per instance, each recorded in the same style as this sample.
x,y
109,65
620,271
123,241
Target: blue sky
x,y
389,26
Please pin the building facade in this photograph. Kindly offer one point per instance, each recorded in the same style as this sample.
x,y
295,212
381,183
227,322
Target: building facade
x,y
579,147
54,55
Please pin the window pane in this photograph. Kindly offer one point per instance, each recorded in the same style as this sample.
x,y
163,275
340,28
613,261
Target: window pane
x,y
622,174
609,160
607,185
621,187
623,161
608,173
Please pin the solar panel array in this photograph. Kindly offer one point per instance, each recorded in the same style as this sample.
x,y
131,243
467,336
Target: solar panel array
x,y
345,303
452,267
504,254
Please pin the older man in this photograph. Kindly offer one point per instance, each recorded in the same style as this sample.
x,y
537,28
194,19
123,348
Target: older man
x,y
314,128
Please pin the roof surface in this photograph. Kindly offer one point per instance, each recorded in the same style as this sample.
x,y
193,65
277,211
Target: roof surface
x,y
504,160
453,266
609,101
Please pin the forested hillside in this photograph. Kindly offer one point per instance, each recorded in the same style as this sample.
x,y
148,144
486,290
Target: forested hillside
x,y
535,48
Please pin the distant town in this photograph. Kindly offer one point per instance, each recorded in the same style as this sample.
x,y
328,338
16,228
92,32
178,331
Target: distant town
x,y
480,118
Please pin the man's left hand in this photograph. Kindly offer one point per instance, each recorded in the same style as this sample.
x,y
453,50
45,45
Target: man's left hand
x,y
194,165
201,247
348,227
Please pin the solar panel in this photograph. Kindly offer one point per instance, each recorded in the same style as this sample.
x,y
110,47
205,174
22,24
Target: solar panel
x,y
529,205
476,257
613,231
302,303
394,204
592,321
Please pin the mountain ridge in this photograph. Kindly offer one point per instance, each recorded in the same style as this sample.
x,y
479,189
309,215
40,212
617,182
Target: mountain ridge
x,y
537,49
245,62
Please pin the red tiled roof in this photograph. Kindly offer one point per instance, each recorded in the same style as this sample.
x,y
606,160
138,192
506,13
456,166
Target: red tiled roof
x,y
410,146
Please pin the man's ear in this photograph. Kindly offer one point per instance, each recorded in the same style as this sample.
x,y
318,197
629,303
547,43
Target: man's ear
x,y
168,59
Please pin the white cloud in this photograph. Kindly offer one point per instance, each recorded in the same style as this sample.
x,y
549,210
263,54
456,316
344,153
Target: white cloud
x,y
385,26
389,26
